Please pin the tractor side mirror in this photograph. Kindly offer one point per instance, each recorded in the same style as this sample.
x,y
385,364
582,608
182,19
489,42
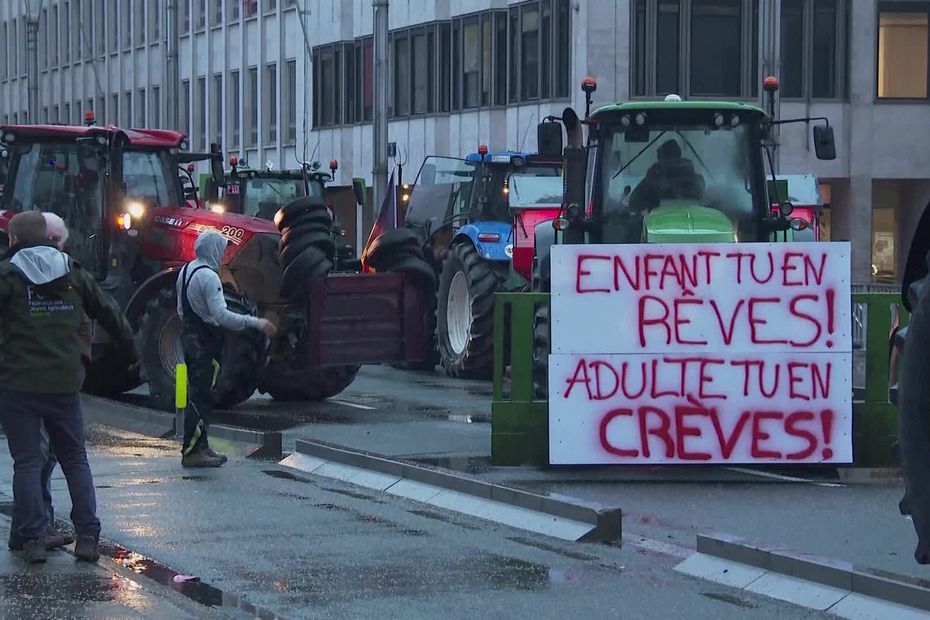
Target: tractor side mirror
x,y
216,170
549,139
358,186
824,143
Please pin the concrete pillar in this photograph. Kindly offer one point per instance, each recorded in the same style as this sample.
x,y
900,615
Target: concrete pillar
x,y
861,96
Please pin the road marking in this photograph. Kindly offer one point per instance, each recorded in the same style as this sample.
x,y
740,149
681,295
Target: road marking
x,y
783,478
347,403
670,549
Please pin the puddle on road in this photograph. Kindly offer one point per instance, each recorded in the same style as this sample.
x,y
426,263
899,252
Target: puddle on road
x,y
317,582
278,420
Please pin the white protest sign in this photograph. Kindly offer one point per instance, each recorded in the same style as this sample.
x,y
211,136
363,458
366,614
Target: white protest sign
x,y
701,353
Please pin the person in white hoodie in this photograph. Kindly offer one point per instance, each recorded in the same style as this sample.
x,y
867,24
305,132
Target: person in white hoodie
x,y
44,294
204,316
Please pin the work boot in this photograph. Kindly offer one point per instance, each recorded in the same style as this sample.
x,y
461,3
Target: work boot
x,y
34,551
211,452
86,549
201,458
55,538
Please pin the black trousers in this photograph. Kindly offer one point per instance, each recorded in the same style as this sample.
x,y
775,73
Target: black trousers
x,y
202,356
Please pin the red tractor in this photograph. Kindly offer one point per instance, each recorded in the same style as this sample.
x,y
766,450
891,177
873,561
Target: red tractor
x,y
119,192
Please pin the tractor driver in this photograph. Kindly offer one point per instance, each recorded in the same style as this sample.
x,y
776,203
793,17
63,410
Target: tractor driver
x,y
671,177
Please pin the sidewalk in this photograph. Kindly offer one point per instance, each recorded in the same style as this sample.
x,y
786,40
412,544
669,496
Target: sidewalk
x,y
66,588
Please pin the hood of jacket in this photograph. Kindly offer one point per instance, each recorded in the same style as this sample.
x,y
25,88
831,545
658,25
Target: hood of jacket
x,y
41,264
209,248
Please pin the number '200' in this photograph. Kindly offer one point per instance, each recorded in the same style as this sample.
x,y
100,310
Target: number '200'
x,y
235,233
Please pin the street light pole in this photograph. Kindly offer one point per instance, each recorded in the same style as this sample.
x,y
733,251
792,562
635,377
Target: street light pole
x,y
380,124
172,71
32,62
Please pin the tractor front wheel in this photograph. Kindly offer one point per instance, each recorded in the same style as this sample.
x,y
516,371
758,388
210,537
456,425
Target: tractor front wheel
x,y
288,383
465,316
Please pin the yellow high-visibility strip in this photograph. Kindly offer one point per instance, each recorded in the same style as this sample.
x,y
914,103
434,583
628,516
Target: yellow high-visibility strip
x,y
180,386
216,373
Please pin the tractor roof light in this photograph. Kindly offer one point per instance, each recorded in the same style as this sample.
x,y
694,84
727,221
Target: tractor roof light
x,y
4,154
190,168
183,145
9,138
673,98
233,161
785,208
124,221
90,118
770,84
588,84
517,161
216,207
625,120
718,119
101,139
734,120
640,119
334,165
482,149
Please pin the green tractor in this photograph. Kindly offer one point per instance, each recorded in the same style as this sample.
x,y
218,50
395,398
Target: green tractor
x,y
669,171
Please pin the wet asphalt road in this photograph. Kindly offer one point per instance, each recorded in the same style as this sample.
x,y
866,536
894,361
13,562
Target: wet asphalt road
x,y
306,547
429,418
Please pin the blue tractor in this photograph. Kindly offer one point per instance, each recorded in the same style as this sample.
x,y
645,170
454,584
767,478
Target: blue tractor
x,y
463,211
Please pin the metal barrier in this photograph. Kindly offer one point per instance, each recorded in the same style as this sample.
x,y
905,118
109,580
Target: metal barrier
x,y
520,423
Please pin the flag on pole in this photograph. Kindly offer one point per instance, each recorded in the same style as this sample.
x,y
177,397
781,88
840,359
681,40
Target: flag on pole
x,y
387,216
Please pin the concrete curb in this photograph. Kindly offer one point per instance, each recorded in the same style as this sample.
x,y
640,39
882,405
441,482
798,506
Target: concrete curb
x,y
605,522
886,586
248,443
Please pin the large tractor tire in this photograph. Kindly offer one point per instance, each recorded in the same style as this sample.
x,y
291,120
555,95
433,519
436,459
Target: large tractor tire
x,y
465,316
307,247
287,383
160,350
541,349
243,353
399,251
107,376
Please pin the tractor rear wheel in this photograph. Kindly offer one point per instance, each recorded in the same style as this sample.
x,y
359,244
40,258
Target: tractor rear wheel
x,y
465,317
160,349
289,383
107,376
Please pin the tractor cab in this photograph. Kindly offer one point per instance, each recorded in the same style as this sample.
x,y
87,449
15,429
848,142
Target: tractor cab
x,y
263,192
104,182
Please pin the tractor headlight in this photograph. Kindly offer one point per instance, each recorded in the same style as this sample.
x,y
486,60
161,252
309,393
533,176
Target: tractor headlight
x,y
136,209
216,207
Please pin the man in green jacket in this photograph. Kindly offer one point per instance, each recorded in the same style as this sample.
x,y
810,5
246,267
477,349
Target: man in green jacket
x,y
43,294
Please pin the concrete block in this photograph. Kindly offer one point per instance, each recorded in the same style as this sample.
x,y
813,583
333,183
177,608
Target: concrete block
x,y
302,462
458,502
797,591
828,572
725,572
414,490
892,588
733,549
859,607
374,480
337,471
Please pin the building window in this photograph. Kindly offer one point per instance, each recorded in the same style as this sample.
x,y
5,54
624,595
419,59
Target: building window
x,y
185,16
233,107
185,111
98,26
43,31
201,14
903,29
216,12
703,48
250,8
112,30
233,9
290,101
78,30
126,117
401,74
65,33
252,107
141,102
325,86
114,110
154,17
200,100
216,108
155,108
4,57
126,21
271,5
270,108
139,23
813,43
422,70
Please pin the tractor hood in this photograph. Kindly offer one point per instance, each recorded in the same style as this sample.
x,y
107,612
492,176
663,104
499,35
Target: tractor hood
x,y
685,222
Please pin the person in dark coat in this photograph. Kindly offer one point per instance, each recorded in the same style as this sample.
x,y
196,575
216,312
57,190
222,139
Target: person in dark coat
x,y
43,295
